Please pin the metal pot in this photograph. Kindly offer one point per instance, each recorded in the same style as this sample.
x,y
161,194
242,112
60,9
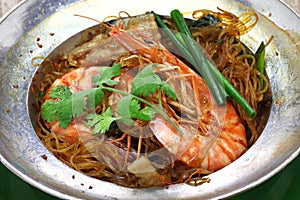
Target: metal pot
x,y
35,29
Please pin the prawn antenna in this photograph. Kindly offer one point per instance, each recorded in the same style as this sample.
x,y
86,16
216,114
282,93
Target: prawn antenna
x,y
86,17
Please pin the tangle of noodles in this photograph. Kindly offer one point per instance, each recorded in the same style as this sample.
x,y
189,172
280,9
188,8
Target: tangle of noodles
x,y
231,56
237,63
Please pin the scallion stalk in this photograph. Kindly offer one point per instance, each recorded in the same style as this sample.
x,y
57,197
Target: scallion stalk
x,y
201,63
229,88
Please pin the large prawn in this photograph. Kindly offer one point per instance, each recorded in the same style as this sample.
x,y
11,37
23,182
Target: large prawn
x,y
215,136
77,80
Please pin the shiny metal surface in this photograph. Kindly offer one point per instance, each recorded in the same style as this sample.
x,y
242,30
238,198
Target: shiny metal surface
x,y
21,150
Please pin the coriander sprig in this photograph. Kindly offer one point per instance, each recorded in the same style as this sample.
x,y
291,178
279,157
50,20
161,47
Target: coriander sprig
x,y
64,105
101,123
144,84
67,105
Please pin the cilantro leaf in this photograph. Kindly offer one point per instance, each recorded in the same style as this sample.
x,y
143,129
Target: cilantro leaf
x,y
169,91
123,108
101,122
146,82
60,92
65,105
107,73
145,114
49,110
58,110
127,107
64,113
130,108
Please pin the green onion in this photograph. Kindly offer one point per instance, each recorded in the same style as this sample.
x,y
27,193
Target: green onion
x,y
201,63
186,54
232,91
260,62
229,88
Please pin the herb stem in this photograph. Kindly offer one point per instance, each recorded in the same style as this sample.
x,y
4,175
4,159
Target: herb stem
x,y
159,98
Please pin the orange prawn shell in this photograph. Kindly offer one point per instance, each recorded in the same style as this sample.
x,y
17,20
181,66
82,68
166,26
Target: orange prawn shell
x,y
195,150
227,147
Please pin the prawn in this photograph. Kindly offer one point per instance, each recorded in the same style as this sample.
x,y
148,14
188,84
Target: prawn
x,y
80,79
216,137
77,80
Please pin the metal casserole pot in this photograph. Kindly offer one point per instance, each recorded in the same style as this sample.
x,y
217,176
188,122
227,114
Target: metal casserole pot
x,y
21,150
